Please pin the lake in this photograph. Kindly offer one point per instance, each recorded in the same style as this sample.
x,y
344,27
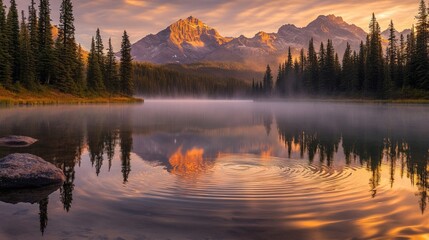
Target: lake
x,y
223,170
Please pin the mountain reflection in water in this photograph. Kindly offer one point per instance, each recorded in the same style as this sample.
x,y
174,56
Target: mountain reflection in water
x,y
226,170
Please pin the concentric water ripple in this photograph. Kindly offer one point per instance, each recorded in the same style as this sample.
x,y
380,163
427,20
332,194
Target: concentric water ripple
x,y
274,196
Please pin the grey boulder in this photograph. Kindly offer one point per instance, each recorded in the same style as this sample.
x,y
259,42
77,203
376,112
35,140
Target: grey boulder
x,y
17,141
28,171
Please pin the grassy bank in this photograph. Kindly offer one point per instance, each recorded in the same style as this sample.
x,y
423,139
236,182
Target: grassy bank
x,y
42,96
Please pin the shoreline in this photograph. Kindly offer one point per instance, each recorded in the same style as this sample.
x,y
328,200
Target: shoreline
x,y
348,100
47,96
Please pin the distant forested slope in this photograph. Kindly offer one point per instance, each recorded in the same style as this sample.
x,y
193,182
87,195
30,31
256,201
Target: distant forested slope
x,y
157,80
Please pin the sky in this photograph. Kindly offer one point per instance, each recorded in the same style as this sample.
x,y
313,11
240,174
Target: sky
x,y
231,18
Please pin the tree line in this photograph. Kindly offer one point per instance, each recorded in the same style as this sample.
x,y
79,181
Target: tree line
x,y
32,57
153,80
399,70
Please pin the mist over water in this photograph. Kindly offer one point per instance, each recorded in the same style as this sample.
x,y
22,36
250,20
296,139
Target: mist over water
x,y
223,169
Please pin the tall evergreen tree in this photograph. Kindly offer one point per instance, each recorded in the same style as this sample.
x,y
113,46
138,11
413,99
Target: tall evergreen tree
x,y
111,76
80,69
94,75
289,74
99,49
361,66
126,66
375,83
5,63
354,88
347,83
99,46
401,63
32,26
313,69
422,59
33,35
337,71
297,77
66,51
330,64
411,56
27,70
268,81
322,69
301,75
391,55
280,86
46,57
12,23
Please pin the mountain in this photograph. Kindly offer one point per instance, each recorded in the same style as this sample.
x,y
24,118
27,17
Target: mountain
x,y
184,41
190,40
273,47
386,33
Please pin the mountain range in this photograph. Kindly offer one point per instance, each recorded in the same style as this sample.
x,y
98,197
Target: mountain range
x,y
190,40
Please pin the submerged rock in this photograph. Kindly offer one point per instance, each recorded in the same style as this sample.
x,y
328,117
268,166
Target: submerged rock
x,y
17,141
28,171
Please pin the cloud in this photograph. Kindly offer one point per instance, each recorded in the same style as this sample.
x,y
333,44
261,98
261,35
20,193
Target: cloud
x,y
229,17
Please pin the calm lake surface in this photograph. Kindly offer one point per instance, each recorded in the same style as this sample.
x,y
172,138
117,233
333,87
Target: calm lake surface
x,y
223,170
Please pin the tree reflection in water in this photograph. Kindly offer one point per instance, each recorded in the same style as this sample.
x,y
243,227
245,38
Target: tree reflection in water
x,y
63,138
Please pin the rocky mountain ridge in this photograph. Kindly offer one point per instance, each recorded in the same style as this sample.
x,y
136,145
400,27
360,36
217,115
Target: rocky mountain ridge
x,y
191,40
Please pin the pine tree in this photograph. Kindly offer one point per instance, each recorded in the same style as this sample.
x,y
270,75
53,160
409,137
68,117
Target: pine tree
x,y
46,57
79,73
289,74
99,49
337,73
111,76
99,46
279,81
12,23
126,67
361,66
375,83
330,76
32,26
297,77
313,69
392,55
94,75
411,65
27,73
66,51
268,81
401,63
302,60
354,88
347,83
301,74
33,35
322,69
5,63
422,61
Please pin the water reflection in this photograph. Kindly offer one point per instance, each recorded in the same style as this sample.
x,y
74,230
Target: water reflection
x,y
364,146
43,214
249,154
188,164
